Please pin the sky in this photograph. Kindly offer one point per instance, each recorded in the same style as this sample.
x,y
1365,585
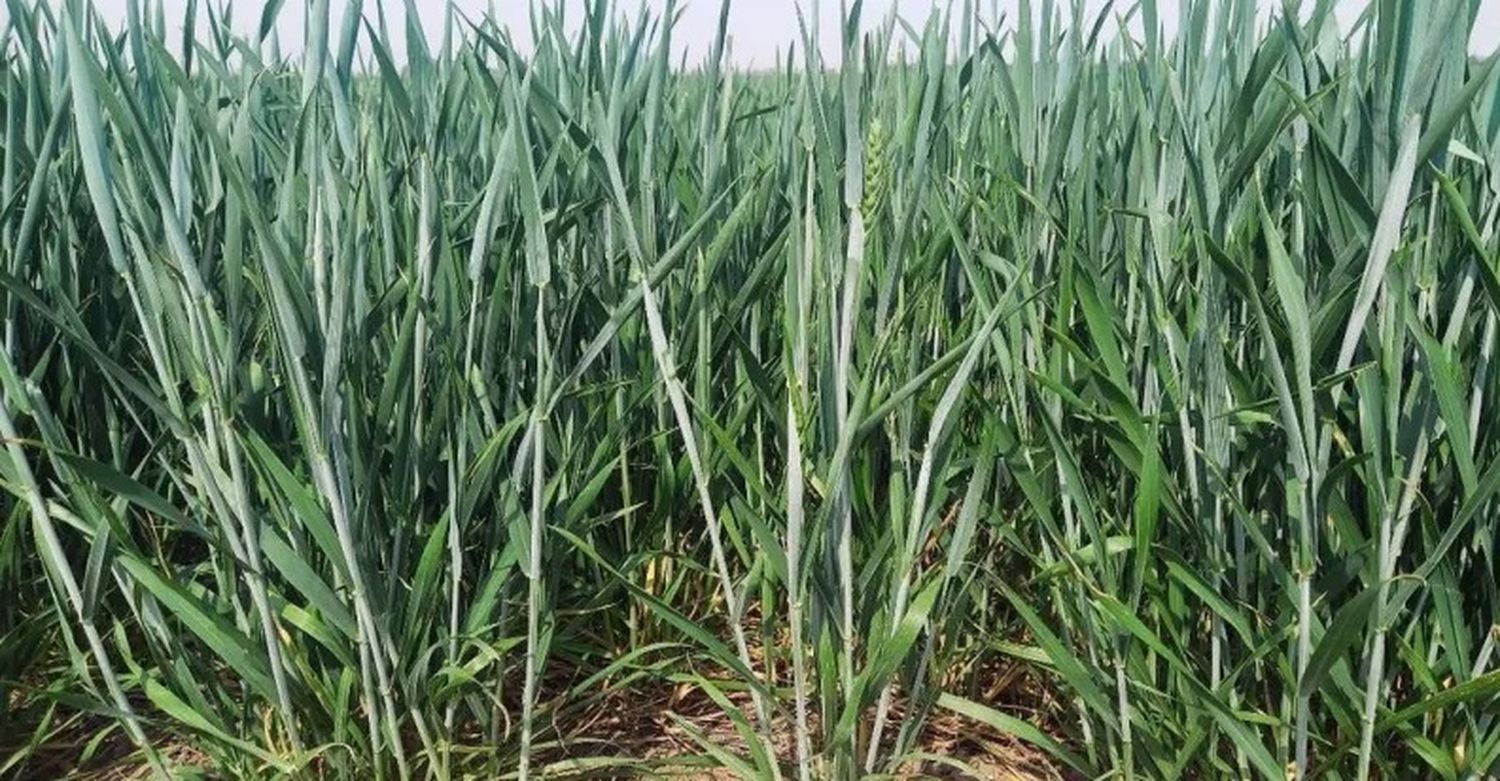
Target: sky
x,y
759,29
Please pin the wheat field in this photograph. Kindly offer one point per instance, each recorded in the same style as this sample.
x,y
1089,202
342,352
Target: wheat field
x,y
1013,394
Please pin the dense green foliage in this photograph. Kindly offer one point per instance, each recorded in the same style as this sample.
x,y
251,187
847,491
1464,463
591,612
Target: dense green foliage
x,y
367,419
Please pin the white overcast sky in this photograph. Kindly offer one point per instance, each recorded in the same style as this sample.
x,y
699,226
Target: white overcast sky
x,y
759,29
